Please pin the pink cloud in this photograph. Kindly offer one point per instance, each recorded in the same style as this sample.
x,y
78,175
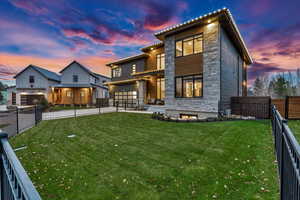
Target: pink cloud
x,y
32,6
10,64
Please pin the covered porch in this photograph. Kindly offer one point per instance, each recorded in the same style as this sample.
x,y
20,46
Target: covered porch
x,y
72,95
154,89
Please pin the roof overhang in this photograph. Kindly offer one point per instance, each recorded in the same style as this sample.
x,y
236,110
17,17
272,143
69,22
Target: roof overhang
x,y
124,81
226,20
127,59
153,46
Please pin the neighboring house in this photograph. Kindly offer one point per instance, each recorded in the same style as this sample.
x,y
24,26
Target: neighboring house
x,y
195,69
75,85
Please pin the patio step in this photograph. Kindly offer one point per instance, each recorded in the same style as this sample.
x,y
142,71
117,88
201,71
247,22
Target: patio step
x,y
156,108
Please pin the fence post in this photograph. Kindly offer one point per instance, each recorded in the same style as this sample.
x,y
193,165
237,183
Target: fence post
x,y
117,106
284,121
286,107
125,104
74,110
99,106
17,115
35,114
2,135
270,107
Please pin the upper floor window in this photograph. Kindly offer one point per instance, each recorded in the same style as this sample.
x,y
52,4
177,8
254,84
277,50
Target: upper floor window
x,y
189,46
116,72
75,78
134,68
31,79
189,86
160,61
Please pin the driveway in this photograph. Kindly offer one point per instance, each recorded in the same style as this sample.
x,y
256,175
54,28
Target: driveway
x,y
80,112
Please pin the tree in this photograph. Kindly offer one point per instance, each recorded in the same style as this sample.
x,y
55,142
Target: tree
x,y
1,97
261,86
258,87
2,86
281,86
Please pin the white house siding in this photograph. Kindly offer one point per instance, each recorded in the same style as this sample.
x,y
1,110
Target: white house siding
x,y
41,85
83,76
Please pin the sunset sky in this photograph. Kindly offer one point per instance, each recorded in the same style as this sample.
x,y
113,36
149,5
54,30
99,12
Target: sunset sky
x,y
52,33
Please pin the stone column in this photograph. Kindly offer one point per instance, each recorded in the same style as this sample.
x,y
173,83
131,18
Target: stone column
x,y
141,85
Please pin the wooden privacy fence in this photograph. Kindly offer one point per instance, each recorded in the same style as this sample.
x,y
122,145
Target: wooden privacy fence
x,y
251,106
260,107
288,107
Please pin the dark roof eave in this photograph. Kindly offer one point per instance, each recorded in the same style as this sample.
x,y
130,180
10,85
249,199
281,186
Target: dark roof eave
x,y
127,59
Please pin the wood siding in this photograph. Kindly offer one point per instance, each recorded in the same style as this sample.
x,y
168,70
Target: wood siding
x,y
151,60
189,32
187,65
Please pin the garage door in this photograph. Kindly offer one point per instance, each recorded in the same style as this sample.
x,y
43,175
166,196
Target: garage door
x,y
129,97
31,99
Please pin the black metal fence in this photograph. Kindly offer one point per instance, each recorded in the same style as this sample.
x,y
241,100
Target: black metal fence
x,y
16,120
14,181
288,157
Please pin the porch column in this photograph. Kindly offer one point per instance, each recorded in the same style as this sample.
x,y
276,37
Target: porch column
x,y
141,85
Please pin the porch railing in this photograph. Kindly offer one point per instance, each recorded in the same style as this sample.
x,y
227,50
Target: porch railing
x,y
14,181
288,157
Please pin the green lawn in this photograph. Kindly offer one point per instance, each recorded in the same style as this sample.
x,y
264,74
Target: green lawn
x,y
295,127
130,156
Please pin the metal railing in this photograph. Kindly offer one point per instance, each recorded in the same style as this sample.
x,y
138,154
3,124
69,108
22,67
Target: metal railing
x,y
14,181
17,120
288,157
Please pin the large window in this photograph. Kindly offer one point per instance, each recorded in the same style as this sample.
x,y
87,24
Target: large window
x,y
160,88
160,61
31,79
189,46
75,78
116,72
189,86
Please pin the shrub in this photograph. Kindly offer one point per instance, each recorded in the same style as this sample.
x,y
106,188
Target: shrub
x,y
43,104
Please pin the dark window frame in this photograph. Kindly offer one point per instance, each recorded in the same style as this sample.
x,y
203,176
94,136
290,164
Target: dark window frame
x,y
182,42
159,82
188,115
75,78
31,79
194,77
114,72
159,57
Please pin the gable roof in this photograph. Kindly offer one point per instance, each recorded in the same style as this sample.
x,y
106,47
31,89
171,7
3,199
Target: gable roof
x,y
82,67
44,72
224,16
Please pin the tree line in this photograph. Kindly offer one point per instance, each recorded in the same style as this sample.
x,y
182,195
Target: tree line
x,y
277,85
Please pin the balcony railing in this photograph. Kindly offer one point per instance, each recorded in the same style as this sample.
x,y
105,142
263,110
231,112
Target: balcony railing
x,y
14,181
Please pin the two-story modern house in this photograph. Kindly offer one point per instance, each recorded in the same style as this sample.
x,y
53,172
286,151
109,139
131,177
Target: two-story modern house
x,y
194,70
75,84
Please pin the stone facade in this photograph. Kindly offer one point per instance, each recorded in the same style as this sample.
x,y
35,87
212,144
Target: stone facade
x,y
231,71
209,103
